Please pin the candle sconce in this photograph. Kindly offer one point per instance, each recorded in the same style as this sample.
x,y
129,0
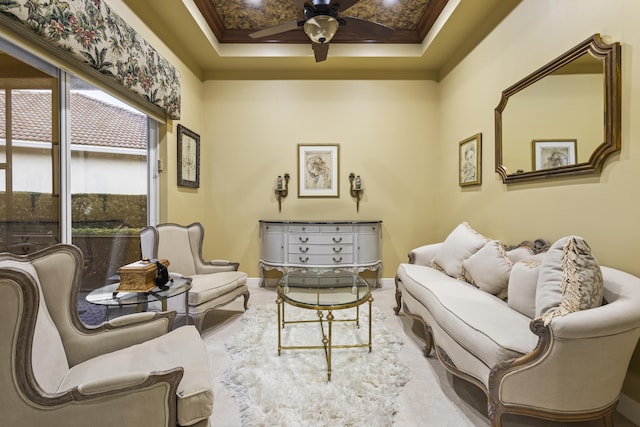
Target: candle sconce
x,y
282,191
356,189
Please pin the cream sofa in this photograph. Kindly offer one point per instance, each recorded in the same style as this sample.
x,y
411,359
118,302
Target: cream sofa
x,y
564,360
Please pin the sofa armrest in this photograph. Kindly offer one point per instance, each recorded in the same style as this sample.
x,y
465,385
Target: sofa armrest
x,y
116,334
149,393
582,370
424,254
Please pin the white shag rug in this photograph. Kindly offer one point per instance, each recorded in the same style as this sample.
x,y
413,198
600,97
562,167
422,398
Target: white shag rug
x,y
292,389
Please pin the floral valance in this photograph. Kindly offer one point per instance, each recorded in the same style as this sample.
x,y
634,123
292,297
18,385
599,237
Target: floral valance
x,y
93,34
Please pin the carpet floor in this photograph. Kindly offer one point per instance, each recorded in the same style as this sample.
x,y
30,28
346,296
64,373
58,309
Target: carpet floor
x,y
431,397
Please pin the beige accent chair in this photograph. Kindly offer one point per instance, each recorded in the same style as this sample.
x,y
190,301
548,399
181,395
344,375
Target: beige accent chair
x,y
131,371
214,283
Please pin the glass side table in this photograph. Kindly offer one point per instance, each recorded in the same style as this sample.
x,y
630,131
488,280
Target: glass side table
x,y
109,297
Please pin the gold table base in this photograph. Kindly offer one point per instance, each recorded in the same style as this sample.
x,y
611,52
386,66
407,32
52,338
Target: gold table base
x,y
327,338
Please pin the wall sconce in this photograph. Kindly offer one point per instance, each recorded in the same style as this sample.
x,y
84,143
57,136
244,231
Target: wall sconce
x,y
356,189
282,191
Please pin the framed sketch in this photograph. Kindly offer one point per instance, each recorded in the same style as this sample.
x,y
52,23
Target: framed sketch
x,y
188,158
553,153
318,170
470,161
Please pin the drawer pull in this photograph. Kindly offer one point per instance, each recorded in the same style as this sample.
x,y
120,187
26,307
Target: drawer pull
x,y
305,250
337,260
337,250
337,240
304,260
305,240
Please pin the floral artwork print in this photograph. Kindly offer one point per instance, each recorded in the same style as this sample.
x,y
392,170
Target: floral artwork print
x,y
91,32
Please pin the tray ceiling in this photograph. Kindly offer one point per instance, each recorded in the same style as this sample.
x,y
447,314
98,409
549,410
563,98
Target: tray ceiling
x,y
233,20
211,37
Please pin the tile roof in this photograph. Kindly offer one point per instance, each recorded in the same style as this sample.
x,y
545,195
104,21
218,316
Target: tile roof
x,y
93,122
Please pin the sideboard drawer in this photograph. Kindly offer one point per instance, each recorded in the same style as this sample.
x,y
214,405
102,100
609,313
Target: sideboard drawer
x,y
323,260
302,249
306,228
337,229
321,239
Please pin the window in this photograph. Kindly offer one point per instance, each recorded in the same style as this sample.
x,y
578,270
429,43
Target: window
x,y
76,166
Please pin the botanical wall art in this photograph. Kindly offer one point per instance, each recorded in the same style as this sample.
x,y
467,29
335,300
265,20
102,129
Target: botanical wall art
x,y
188,158
318,170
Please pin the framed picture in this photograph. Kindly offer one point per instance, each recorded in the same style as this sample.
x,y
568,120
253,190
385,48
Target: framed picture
x,y
318,170
553,153
470,160
188,158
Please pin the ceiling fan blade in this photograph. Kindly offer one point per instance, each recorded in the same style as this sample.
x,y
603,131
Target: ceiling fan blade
x,y
276,29
320,51
299,3
362,29
345,4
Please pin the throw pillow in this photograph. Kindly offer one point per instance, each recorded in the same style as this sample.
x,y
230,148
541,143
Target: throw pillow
x,y
521,291
458,246
570,279
489,269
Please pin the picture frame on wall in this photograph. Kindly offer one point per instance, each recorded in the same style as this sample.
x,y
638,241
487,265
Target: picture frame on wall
x,y
188,158
318,170
470,161
553,153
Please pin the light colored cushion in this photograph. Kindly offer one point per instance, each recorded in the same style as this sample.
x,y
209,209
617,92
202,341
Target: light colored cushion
x,y
570,279
205,287
522,253
489,269
174,244
48,357
181,347
487,326
458,246
523,281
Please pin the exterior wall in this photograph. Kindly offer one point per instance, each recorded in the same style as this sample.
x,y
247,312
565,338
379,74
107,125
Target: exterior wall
x,y
104,173
602,209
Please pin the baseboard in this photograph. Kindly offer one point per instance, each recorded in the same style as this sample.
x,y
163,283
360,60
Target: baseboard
x,y
253,282
629,408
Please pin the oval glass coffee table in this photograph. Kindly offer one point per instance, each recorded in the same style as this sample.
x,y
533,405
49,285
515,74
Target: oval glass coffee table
x,y
323,291
109,297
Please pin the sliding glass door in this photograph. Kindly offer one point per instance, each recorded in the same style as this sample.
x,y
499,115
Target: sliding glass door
x,y
29,158
76,166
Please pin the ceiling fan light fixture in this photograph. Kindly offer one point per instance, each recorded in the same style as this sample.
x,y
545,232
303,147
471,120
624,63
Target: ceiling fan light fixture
x,y
321,28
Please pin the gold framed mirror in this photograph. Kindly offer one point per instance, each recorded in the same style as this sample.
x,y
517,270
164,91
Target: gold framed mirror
x,y
550,124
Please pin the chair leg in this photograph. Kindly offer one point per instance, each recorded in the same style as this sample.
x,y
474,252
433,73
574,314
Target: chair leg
x,y
246,299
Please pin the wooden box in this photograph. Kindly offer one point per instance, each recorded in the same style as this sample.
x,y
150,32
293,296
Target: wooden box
x,y
139,276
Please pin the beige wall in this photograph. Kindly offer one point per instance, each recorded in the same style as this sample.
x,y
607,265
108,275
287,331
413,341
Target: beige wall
x,y
384,129
605,209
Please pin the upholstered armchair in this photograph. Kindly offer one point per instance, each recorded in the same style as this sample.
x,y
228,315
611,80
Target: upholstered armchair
x,y
214,283
131,371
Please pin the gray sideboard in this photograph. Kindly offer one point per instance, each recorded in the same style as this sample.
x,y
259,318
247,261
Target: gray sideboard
x,y
353,245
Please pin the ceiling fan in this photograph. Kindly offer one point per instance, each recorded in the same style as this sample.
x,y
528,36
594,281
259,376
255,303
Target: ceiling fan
x,y
321,22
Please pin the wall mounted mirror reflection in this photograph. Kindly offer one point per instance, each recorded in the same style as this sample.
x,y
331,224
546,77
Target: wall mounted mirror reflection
x,y
563,119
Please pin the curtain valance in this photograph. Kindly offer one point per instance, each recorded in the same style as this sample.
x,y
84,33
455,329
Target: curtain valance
x,y
90,32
